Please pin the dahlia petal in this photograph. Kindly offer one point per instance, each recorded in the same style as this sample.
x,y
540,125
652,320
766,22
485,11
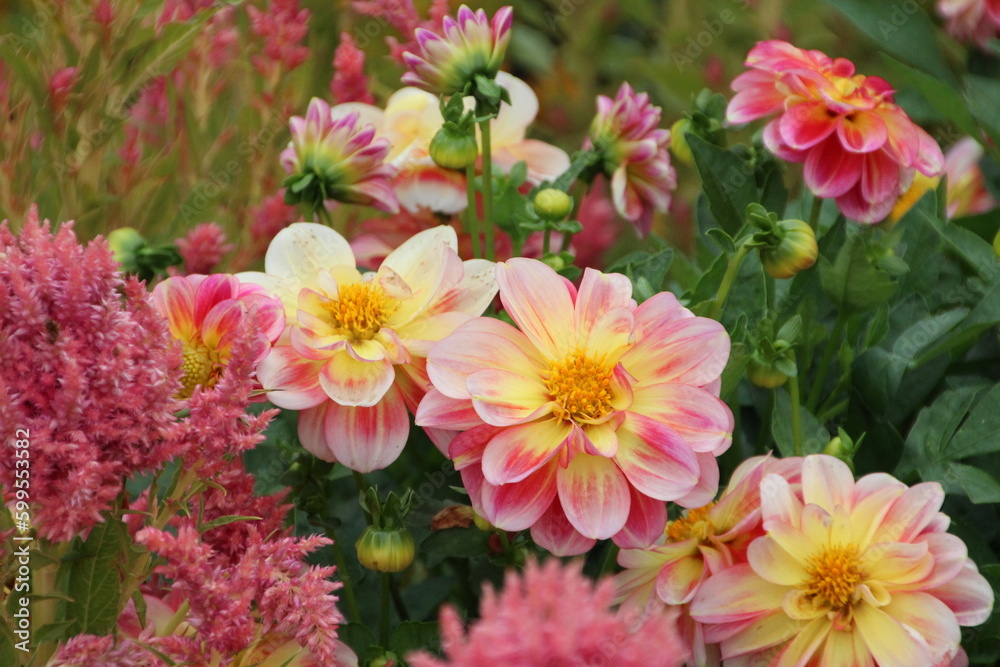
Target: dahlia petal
x,y
537,300
792,540
690,351
827,482
899,563
302,249
545,162
949,555
439,411
312,431
880,178
968,595
772,563
855,207
517,451
930,159
932,620
420,186
467,448
367,438
862,132
600,295
707,487
594,494
472,294
519,505
174,298
679,579
847,649
269,313
904,136
348,381
778,503
284,289
225,317
647,518
554,533
758,99
736,594
807,641
292,380
213,289
655,459
504,398
890,644
421,261
658,310
599,439
830,171
515,118
802,126
701,419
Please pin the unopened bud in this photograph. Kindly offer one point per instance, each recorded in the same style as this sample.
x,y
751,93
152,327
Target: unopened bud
x,y
385,550
125,244
795,249
678,141
552,204
764,374
454,148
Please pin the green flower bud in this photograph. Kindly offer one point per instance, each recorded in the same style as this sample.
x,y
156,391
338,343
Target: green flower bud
x,y
794,249
678,141
453,147
552,204
555,260
764,374
482,524
385,550
125,243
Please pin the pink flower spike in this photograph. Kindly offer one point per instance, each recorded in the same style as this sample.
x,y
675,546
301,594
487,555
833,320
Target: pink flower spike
x,y
858,146
861,569
596,404
468,46
635,157
203,248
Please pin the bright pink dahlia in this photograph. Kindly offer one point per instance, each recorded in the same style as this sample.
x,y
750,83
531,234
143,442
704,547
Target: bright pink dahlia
x,y
468,45
87,369
553,615
971,20
857,145
635,155
854,573
353,356
589,416
967,192
338,159
204,313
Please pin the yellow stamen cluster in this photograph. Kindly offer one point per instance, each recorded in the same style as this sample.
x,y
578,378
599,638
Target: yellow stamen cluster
x,y
200,367
694,523
580,387
834,574
362,310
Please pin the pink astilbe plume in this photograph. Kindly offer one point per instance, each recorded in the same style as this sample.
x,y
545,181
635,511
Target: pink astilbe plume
x,y
553,615
349,83
203,248
283,26
94,651
87,367
403,16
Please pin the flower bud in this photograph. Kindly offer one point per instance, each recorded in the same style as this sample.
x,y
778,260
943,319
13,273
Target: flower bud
x,y
482,524
125,244
385,550
678,141
454,148
794,251
764,374
552,204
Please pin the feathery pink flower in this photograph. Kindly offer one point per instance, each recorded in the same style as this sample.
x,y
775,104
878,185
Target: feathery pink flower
x,y
60,86
353,358
553,615
634,153
337,159
971,20
350,83
87,367
702,542
203,248
586,418
103,651
283,26
858,146
854,573
469,45
204,313
403,16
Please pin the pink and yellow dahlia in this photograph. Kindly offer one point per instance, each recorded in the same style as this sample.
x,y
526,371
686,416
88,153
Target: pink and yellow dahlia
x,y
336,159
583,420
854,573
634,153
469,45
352,358
204,314
700,543
857,145
971,20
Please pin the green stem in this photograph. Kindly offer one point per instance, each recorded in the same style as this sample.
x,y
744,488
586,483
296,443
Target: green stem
x,y
546,241
581,192
727,280
397,602
793,390
471,215
383,628
824,362
817,206
608,564
488,225
353,610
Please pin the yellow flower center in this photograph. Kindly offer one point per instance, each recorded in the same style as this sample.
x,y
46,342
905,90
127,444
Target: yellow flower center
x,y
201,366
694,523
362,310
834,574
580,387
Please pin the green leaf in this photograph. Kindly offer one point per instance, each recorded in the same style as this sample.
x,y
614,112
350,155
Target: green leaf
x,y
647,270
8,654
983,98
979,485
456,542
980,434
902,29
413,636
934,427
223,520
943,98
95,580
720,238
814,435
361,640
727,180
851,280
161,53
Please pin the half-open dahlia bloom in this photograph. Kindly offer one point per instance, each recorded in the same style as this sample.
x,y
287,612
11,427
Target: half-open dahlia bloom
x,y
337,159
205,313
589,416
971,20
470,44
855,573
701,542
412,117
352,357
635,155
857,145
553,615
